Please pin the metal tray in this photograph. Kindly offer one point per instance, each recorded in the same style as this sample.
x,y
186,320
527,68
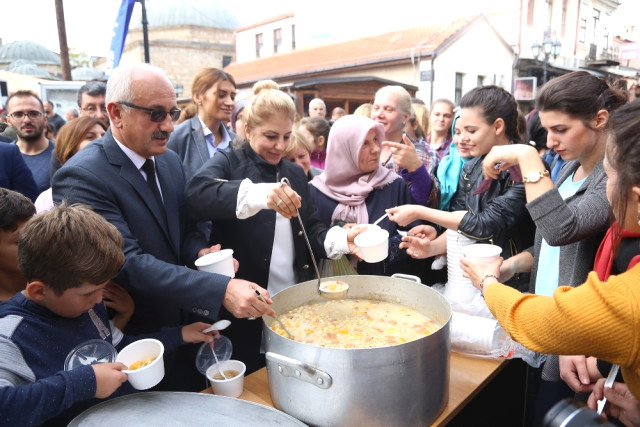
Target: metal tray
x,y
181,408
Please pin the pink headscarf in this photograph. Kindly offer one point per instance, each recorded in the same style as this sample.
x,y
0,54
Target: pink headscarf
x,y
342,179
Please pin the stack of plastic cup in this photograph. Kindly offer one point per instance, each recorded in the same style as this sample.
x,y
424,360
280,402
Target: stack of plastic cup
x,y
459,290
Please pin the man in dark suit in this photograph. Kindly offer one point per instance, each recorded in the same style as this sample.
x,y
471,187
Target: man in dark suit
x,y
130,178
14,172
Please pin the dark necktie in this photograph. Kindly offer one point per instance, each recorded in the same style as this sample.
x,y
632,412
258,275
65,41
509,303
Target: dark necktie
x,y
150,170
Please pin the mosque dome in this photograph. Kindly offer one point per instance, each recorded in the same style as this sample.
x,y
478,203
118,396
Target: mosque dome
x,y
86,73
203,13
28,51
27,68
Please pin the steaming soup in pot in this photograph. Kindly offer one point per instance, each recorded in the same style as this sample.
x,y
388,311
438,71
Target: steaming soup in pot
x,y
354,323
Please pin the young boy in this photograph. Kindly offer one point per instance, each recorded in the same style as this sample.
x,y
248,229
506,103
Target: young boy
x,y
15,211
67,256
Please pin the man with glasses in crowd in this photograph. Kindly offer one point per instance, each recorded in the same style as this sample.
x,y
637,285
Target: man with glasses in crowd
x,y
129,177
91,101
25,114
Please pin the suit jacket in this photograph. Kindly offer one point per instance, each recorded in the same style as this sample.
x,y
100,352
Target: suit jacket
x,y
14,172
164,290
188,141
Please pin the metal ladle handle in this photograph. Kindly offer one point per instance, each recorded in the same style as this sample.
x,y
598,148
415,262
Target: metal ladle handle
x,y
285,180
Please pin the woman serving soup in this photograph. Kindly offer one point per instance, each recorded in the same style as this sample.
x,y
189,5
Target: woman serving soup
x,y
252,210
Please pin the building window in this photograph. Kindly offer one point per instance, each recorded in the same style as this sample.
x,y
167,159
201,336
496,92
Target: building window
x,y
259,45
293,37
458,90
480,81
277,39
226,60
582,30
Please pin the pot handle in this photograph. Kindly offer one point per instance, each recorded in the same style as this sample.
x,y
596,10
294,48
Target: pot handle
x,y
293,368
407,277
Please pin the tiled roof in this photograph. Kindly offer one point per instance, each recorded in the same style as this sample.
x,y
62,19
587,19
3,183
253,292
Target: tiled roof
x,y
368,50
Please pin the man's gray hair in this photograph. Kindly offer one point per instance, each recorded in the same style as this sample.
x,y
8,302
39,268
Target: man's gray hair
x,y
317,101
120,81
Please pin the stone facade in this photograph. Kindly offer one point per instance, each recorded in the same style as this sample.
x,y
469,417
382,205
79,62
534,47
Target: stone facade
x,y
181,51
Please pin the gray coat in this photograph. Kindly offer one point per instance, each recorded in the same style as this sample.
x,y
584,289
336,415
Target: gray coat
x,y
188,141
577,224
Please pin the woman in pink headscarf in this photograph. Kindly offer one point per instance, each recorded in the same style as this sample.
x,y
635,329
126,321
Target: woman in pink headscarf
x,y
356,188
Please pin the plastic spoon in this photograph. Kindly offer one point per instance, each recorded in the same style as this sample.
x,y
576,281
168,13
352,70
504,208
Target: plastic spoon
x,y
381,218
608,383
218,326
215,356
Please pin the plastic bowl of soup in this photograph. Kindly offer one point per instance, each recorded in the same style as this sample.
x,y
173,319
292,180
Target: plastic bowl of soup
x,y
231,383
144,359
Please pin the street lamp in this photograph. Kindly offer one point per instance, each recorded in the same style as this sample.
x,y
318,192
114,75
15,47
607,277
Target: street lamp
x,y
548,48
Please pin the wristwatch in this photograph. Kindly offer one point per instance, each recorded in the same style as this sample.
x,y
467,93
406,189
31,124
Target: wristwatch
x,y
535,176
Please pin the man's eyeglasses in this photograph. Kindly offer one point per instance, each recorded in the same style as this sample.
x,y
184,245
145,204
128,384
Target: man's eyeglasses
x,y
19,115
157,116
92,109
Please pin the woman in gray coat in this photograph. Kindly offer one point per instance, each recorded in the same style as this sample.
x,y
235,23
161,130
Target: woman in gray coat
x,y
572,215
202,130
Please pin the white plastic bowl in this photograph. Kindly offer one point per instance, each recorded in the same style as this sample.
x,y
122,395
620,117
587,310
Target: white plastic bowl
x,y
220,262
373,244
482,252
231,387
149,375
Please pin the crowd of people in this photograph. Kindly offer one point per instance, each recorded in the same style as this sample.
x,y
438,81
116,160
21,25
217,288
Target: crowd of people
x,y
103,218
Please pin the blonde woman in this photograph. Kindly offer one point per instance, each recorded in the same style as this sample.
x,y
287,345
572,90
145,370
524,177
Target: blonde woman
x,y
299,152
241,192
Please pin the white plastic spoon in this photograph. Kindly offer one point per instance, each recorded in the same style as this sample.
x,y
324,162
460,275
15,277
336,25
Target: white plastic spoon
x,y
218,326
380,219
215,356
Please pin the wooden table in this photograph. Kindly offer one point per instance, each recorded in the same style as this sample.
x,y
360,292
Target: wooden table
x,y
467,377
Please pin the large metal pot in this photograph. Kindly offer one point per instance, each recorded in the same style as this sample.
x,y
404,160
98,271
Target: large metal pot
x,y
402,385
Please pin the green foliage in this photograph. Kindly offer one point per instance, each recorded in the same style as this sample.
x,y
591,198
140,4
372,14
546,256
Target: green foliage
x,y
78,58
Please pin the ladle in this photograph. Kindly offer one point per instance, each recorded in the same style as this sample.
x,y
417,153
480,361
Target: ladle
x,y
284,328
323,292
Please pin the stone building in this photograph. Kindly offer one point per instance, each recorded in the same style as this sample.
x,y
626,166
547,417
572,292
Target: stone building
x,y
184,37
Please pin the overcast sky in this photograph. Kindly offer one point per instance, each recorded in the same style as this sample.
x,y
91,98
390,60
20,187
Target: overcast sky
x,y
89,22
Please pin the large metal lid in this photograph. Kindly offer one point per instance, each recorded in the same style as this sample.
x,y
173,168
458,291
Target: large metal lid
x,y
179,408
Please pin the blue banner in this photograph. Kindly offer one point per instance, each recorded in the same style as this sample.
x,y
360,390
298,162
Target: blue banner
x,y
120,29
